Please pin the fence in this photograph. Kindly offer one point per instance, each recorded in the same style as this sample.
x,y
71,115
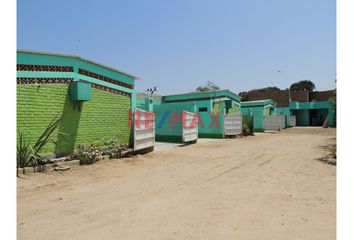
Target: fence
x,y
144,129
273,122
233,124
293,121
282,121
189,128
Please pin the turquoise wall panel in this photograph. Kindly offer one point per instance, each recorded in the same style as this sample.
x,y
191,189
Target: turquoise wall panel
x,y
331,117
302,117
204,104
208,130
168,119
310,105
257,113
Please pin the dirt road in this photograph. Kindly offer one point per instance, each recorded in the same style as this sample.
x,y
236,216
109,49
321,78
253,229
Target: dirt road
x,y
267,186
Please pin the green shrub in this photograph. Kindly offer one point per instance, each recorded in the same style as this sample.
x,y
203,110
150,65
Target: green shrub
x,y
87,154
113,148
247,124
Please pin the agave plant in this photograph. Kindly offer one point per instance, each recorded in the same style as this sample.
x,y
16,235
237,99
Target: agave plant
x,y
23,151
28,155
46,137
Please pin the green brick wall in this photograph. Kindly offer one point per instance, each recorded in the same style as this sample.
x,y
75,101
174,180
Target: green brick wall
x,y
104,117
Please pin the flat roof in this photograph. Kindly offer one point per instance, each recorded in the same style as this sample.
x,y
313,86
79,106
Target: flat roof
x,y
258,103
78,57
201,96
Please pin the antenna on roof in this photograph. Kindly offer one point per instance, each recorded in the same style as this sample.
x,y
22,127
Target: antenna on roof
x,y
152,90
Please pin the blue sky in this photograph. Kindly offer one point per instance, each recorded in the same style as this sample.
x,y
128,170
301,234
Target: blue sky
x,y
180,45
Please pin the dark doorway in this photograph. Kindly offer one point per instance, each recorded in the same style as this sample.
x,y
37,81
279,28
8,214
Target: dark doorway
x,y
317,116
313,117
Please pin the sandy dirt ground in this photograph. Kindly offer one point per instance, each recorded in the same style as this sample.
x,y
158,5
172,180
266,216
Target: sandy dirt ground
x,y
268,186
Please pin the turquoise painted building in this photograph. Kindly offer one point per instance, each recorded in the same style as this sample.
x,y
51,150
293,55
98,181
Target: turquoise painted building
x,y
211,108
306,113
168,118
258,109
309,113
313,113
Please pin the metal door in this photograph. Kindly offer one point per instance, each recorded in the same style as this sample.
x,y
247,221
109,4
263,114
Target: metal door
x,y
282,121
271,123
144,129
293,121
189,127
232,124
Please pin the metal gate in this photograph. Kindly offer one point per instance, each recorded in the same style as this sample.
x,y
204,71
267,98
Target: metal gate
x,y
190,127
282,121
233,124
293,121
144,129
271,123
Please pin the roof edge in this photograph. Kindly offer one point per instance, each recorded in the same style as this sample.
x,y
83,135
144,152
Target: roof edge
x,y
258,101
196,92
78,57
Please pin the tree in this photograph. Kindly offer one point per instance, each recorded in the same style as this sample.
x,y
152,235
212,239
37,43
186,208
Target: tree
x,y
243,95
303,86
210,86
273,88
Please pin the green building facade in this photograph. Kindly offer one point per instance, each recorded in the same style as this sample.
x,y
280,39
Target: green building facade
x,y
208,104
95,100
258,109
313,113
169,120
309,113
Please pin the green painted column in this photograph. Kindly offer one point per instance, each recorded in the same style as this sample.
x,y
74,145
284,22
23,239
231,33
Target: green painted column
x,y
133,100
330,117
